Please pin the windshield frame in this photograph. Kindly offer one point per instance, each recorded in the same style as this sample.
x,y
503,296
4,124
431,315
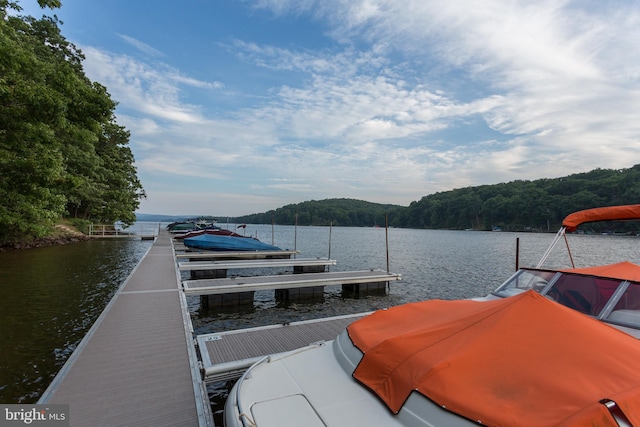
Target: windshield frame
x,y
544,282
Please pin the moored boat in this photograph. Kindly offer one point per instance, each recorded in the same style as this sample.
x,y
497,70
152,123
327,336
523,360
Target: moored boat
x,y
218,242
548,347
209,230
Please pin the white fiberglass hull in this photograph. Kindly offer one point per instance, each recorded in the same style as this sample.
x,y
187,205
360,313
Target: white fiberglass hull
x,y
313,386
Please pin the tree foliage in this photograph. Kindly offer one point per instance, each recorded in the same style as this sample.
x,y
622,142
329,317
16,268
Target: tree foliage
x,y
61,151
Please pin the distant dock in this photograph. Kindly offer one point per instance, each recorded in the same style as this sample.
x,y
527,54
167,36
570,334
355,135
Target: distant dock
x,y
143,232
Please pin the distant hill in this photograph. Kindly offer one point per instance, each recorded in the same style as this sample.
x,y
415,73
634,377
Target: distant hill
x,y
538,205
339,212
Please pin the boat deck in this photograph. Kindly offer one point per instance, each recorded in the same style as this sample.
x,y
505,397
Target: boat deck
x,y
284,281
137,365
258,263
226,355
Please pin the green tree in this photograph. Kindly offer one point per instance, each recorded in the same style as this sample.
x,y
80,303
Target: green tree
x,y
31,163
60,148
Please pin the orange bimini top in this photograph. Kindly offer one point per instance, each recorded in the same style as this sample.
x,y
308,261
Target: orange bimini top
x,y
624,270
608,213
523,360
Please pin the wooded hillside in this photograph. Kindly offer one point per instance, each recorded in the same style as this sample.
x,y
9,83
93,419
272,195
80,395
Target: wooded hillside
x,y
538,205
339,212
523,205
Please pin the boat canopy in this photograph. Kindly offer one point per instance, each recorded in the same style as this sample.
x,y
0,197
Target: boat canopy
x,y
609,213
523,360
624,270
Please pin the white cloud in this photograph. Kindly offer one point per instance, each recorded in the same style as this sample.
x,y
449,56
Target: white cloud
x,y
141,46
551,88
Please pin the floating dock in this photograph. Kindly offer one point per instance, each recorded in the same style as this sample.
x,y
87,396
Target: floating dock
x,y
137,365
186,253
255,263
285,281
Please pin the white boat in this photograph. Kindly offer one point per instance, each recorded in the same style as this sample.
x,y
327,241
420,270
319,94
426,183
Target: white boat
x,y
548,347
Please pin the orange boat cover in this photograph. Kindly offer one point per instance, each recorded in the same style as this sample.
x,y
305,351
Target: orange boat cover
x,y
624,270
609,213
522,360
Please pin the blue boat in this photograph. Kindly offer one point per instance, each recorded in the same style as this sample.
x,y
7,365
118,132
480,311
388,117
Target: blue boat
x,y
215,242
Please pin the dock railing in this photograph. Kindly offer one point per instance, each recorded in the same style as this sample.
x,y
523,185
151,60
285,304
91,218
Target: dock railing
x,y
139,231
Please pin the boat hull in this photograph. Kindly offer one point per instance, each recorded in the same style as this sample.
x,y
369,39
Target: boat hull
x,y
214,242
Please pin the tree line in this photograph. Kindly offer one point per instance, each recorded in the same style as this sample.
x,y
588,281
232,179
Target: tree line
x,y
522,205
338,212
61,151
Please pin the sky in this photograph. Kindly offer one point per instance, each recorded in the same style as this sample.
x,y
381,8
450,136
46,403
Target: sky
x,y
240,107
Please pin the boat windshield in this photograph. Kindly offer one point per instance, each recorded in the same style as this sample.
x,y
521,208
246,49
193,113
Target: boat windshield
x,y
524,280
612,300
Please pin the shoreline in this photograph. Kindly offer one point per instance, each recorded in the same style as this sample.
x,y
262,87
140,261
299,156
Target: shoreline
x,y
61,235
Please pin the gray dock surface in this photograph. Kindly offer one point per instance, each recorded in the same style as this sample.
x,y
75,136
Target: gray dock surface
x,y
284,281
137,365
226,355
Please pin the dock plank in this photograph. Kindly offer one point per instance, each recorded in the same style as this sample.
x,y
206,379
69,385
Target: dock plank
x,y
226,355
284,281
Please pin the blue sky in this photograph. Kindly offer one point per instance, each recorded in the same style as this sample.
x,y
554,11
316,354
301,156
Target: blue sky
x,y
238,107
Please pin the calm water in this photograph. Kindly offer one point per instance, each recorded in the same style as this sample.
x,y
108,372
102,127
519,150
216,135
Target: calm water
x,y
49,297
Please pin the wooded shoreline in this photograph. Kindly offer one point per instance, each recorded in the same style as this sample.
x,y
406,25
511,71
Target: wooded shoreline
x,y
62,235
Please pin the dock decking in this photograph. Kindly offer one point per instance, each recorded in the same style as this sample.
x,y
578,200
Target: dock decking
x,y
284,281
137,365
226,355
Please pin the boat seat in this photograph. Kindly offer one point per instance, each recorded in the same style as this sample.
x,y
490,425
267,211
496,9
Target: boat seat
x,y
629,317
579,294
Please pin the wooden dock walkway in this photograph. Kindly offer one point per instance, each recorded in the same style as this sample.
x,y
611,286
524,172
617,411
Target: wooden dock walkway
x,y
255,263
284,281
137,365
226,355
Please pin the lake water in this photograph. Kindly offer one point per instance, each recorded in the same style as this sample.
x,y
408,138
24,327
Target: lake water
x,y
49,297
